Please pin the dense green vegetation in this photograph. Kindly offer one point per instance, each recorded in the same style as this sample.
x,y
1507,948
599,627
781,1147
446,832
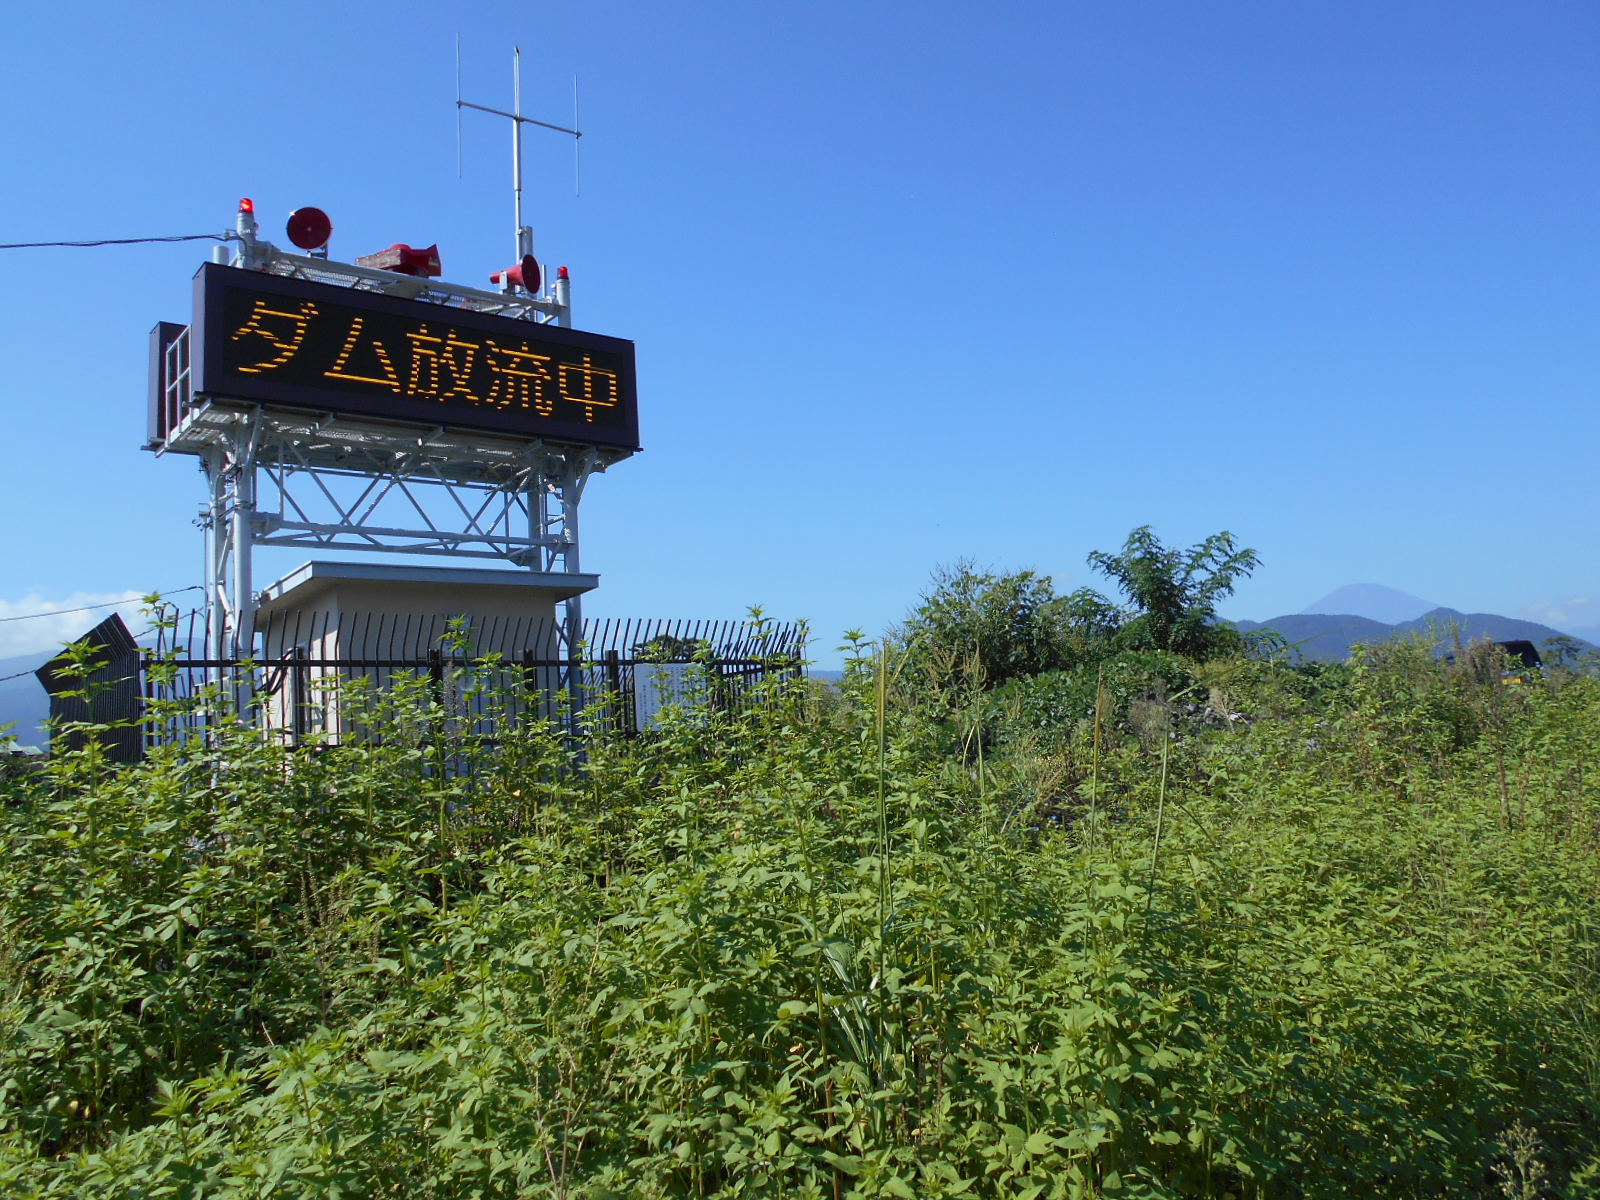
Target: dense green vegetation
x,y
1046,899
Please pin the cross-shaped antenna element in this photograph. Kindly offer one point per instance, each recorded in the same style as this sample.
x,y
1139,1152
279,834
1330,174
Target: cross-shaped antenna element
x,y
524,232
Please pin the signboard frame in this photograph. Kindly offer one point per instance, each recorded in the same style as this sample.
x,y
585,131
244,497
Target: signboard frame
x,y
269,338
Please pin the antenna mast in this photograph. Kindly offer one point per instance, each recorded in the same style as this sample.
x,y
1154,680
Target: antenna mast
x,y
524,233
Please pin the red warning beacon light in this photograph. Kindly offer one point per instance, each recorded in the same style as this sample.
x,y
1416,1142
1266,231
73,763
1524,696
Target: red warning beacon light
x,y
404,260
309,228
524,275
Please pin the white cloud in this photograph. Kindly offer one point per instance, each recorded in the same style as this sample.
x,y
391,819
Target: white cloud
x,y
1580,611
38,624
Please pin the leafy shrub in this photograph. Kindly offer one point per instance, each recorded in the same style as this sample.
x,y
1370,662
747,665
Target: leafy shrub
x,y
796,950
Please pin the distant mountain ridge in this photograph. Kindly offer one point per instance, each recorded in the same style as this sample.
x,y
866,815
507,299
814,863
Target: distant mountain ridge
x,y
1330,637
23,703
1321,637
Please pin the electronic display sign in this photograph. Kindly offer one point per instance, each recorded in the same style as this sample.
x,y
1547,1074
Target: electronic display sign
x,y
317,346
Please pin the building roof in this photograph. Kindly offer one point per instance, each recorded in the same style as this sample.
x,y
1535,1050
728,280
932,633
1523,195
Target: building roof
x,y
311,579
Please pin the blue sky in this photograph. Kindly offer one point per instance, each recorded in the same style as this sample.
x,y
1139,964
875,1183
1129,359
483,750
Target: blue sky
x,y
909,283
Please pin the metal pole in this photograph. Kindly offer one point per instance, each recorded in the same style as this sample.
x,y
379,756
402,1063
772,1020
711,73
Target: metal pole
x,y
216,578
571,489
243,530
243,577
524,233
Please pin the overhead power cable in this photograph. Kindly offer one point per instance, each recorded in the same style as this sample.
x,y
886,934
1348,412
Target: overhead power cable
x,y
147,630
182,237
61,612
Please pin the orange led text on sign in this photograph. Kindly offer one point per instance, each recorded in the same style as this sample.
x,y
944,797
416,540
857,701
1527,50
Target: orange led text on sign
x,y
439,367
378,356
285,339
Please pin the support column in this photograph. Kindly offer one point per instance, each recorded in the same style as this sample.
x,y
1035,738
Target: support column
x,y
217,541
573,613
554,511
243,603
242,532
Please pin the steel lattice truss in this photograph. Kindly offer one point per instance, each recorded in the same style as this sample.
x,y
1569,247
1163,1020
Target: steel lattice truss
x,y
283,478
337,483
380,499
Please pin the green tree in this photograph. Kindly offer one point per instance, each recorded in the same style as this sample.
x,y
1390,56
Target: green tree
x,y
975,630
982,628
1174,593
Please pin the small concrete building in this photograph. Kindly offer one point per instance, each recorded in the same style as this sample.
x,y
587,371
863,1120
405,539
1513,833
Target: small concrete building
x,y
377,620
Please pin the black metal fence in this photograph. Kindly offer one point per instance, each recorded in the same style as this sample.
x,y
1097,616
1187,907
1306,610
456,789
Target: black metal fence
x,y
328,677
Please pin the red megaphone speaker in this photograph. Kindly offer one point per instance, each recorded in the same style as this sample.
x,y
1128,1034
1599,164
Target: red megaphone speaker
x,y
403,260
524,275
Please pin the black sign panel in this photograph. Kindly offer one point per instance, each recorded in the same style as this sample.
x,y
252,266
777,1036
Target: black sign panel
x,y
335,349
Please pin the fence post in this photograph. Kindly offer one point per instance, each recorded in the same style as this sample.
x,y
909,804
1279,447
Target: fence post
x,y
530,685
148,738
299,693
619,706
